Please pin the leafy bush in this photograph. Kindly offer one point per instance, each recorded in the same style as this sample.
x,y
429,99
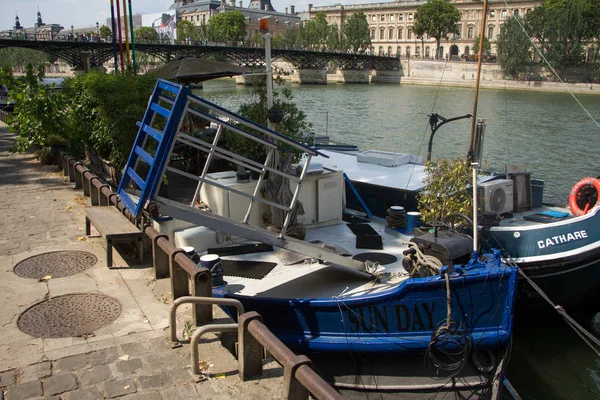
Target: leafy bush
x,y
293,125
445,192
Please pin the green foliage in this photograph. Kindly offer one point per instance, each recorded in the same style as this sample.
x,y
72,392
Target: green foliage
x,y
487,46
18,58
39,110
439,18
104,112
105,32
334,42
514,47
293,125
95,109
187,32
146,33
356,32
228,26
445,192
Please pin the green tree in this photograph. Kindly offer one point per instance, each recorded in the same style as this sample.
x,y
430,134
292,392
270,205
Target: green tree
x,y
314,33
439,18
334,42
514,46
228,26
146,33
105,33
290,37
419,30
356,32
18,58
487,46
445,194
186,32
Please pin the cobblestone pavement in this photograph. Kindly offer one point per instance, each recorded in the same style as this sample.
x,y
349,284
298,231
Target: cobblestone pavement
x,y
128,359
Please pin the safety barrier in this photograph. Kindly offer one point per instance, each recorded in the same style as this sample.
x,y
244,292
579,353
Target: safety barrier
x,y
192,284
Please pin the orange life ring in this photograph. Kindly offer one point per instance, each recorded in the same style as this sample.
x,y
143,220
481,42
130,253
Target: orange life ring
x,y
575,191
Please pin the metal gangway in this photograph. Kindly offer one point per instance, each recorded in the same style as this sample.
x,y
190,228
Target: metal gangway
x,y
163,129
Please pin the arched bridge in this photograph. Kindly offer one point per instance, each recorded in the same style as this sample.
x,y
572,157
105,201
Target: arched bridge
x,y
73,52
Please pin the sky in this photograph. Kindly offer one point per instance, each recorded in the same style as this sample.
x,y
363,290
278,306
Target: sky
x,y
84,13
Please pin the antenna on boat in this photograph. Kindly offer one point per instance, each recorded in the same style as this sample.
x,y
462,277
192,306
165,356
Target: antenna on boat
x,y
474,166
480,57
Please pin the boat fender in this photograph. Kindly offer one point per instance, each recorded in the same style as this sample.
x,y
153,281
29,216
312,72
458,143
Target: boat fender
x,y
484,360
575,191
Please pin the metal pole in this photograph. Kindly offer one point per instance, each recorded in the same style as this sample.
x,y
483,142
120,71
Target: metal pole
x,y
475,241
481,37
267,36
132,38
120,35
126,34
114,37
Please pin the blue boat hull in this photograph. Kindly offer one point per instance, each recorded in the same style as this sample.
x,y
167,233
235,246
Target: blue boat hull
x,y
399,320
563,257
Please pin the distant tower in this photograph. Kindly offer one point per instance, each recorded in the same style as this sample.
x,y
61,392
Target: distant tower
x,y
17,23
260,5
39,19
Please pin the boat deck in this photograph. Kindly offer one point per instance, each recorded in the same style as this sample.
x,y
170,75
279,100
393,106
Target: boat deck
x,y
537,217
313,279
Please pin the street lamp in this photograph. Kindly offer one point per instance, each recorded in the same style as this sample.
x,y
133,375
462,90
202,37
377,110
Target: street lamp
x,y
97,32
72,34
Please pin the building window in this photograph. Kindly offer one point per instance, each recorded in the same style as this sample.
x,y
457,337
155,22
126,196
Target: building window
x,y
380,50
410,17
490,32
470,33
382,34
407,51
399,33
467,50
516,13
372,33
373,18
389,51
398,51
417,51
409,34
392,18
528,11
400,17
204,18
391,34
492,13
198,17
382,18
458,35
427,51
504,14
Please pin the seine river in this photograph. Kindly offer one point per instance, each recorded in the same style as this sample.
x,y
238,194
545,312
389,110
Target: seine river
x,y
548,134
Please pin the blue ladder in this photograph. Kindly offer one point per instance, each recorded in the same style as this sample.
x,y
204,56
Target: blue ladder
x,y
153,145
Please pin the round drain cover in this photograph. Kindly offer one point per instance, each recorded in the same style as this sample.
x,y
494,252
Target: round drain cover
x,y
69,315
381,258
57,264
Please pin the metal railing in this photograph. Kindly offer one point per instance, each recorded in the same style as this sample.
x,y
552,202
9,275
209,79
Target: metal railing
x,y
187,279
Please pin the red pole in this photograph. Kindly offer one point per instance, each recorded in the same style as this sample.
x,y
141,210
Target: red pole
x,y
120,35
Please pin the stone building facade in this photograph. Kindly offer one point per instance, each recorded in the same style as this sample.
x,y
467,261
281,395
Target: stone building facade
x,y
200,12
390,25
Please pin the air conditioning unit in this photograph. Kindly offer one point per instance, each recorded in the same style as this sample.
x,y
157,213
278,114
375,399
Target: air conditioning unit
x,y
496,196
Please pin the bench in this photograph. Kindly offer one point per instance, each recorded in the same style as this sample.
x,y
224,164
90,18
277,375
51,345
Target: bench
x,y
114,227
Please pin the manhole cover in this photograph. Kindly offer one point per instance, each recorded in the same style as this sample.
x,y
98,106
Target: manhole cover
x,y
381,258
57,264
69,315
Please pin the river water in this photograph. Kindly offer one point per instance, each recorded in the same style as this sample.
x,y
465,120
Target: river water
x,y
548,134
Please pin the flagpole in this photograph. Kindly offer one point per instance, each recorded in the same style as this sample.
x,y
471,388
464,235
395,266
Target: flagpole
x,y
126,22
114,37
132,38
120,36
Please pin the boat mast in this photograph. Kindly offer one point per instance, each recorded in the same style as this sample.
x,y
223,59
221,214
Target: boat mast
x,y
480,56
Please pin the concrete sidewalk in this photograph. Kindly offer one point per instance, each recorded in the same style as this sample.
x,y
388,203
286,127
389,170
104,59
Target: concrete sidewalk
x,y
129,358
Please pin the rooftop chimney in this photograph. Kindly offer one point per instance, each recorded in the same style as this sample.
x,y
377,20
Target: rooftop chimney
x,y
293,10
309,7
241,3
286,10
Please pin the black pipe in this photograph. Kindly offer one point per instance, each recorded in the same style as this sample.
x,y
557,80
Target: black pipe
x,y
433,122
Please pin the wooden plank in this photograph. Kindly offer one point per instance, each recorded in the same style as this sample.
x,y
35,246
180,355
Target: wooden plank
x,y
111,223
